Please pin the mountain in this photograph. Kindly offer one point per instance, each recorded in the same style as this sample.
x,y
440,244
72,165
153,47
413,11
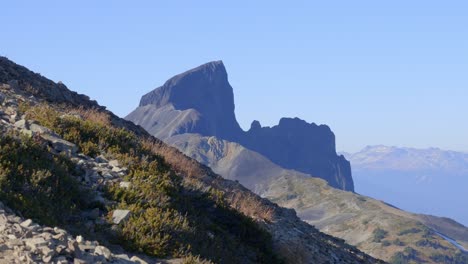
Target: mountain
x,y
66,161
201,101
422,180
375,227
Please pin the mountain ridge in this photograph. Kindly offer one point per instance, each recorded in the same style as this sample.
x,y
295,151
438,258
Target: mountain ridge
x,y
201,100
358,219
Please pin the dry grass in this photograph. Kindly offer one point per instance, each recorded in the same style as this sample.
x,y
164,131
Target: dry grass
x,y
93,115
176,159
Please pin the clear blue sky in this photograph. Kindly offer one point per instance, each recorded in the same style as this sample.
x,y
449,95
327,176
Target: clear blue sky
x,y
377,72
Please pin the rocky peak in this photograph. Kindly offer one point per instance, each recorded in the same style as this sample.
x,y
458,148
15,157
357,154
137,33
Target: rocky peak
x,y
206,90
201,101
302,146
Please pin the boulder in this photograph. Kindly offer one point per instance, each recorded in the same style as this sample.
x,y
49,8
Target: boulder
x,y
119,216
103,251
35,128
138,260
22,124
26,223
60,145
37,242
114,163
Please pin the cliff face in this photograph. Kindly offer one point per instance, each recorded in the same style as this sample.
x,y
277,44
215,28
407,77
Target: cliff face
x,y
207,91
309,148
201,101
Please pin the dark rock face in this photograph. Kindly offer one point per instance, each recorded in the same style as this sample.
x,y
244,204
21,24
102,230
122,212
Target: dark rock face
x,y
205,89
202,101
298,145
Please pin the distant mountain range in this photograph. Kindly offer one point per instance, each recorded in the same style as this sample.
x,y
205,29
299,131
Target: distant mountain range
x,y
293,164
421,180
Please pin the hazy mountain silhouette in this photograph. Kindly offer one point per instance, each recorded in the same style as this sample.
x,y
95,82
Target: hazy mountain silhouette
x,y
421,180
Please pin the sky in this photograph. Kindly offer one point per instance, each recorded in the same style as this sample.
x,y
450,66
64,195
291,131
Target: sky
x,y
377,72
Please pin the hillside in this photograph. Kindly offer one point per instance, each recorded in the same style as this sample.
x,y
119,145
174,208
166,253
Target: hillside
x,y
67,161
422,180
375,227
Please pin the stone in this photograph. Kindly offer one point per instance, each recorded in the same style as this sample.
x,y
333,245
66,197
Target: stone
x,y
79,239
108,175
5,86
2,97
119,216
47,254
119,170
22,124
40,129
60,248
34,243
101,159
138,260
125,184
11,243
103,251
114,163
60,145
73,246
26,223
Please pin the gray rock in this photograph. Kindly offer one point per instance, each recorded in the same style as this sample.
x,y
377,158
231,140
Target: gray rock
x,y
103,251
60,145
119,216
79,239
22,124
5,86
138,260
114,163
26,223
40,129
125,184
34,243
101,159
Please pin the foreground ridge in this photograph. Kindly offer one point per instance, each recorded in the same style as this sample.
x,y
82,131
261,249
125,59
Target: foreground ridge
x,y
63,126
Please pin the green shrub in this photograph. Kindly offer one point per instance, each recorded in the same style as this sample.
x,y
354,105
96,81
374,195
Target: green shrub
x,y
398,242
37,183
378,235
410,231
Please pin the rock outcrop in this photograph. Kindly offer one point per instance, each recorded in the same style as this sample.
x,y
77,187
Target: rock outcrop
x,y
298,145
202,95
201,101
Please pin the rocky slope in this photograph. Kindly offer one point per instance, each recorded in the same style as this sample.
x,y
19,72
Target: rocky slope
x,y
347,215
201,101
23,241
73,141
422,180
